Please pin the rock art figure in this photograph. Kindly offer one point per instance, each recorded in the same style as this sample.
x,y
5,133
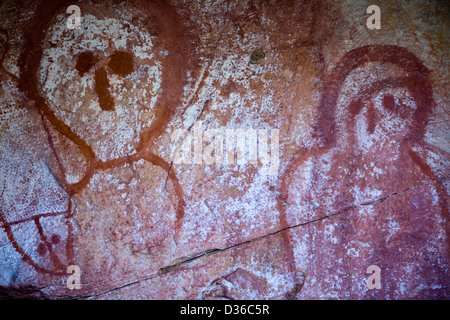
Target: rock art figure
x,y
102,93
93,185
370,147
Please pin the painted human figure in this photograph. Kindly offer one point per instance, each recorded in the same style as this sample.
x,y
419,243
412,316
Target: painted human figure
x,y
98,92
370,174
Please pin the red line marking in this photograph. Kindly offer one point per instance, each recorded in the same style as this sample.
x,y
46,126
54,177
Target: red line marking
x,y
176,41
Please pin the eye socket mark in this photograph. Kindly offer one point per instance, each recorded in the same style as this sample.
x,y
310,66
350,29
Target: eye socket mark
x,y
400,108
121,63
389,103
55,239
85,62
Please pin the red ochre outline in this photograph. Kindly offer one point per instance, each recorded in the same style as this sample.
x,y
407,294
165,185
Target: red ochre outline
x,y
418,83
176,41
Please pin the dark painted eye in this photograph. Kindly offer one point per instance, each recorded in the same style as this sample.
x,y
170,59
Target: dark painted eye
x,y
399,106
389,103
121,63
85,62
55,239
355,107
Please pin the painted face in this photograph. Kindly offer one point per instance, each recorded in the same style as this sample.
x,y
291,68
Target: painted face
x,y
385,119
98,90
103,80
379,111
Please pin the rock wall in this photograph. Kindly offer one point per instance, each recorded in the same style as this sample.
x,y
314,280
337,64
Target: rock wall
x,y
224,150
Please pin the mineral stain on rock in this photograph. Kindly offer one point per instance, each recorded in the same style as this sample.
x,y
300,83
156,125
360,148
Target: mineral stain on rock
x,y
257,57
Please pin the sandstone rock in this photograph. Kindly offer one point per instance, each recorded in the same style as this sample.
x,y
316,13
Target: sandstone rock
x,y
116,152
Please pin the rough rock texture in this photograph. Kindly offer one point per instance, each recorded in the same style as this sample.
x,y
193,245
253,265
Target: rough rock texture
x,y
102,166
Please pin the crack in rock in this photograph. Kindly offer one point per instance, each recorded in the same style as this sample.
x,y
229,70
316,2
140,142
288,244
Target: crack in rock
x,y
206,253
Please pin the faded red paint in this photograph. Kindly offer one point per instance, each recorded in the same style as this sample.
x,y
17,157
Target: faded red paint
x,y
224,274
171,30
418,84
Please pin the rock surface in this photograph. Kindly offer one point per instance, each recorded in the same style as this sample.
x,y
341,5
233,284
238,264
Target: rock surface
x,y
117,152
